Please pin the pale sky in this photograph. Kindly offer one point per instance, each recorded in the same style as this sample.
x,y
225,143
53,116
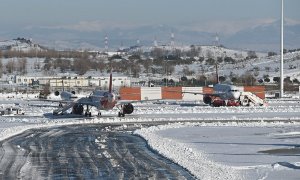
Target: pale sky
x,y
98,14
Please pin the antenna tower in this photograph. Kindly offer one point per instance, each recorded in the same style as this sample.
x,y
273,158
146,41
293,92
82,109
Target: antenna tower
x,y
155,42
216,41
106,43
172,39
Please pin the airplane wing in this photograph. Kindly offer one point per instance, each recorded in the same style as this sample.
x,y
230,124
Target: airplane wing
x,y
121,102
61,102
53,100
69,105
87,101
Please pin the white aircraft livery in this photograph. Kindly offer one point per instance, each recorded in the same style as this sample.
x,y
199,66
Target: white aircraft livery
x,y
229,95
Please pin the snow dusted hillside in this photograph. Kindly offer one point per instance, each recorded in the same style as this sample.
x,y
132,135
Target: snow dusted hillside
x,y
225,52
266,66
210,51
260,67
19,44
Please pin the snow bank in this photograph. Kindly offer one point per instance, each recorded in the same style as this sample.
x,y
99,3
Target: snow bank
x,y
195,161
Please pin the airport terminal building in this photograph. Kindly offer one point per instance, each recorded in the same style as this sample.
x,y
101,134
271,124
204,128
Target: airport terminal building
x,y
72,81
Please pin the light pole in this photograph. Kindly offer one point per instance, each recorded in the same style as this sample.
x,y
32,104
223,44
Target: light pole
x,y
281,53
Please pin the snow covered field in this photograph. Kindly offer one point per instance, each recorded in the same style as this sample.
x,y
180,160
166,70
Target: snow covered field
x,y
212,143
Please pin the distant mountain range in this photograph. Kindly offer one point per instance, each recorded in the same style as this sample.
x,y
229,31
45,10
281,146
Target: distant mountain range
x,y
260,38
266,37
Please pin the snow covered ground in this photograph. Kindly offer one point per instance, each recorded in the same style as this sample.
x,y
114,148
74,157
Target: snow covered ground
x,y
230,150
212,143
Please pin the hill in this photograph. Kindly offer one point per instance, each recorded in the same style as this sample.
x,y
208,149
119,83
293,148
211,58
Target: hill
x,y
148,62
20,44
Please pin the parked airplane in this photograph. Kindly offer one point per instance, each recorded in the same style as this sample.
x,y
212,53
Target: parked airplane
x,y
221,94
65,97
102,100
229,95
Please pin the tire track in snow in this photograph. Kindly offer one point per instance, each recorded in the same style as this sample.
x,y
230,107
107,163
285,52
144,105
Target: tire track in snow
x,y
76,152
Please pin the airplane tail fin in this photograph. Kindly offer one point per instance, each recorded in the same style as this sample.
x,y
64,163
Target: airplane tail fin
x,y
110,83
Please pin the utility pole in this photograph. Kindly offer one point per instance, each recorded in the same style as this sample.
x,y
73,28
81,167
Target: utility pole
x,y
217,73
281,54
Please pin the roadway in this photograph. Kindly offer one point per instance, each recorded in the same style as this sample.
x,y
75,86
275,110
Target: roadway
x,y
84,152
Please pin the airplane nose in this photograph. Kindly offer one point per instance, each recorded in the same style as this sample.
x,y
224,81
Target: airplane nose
x,y
236,95
111,98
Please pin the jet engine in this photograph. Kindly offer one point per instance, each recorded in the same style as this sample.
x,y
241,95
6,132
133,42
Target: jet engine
x,y
218,103
207,99
77,109
128,108
56,93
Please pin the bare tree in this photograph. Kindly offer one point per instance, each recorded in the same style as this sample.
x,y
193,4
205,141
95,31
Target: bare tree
x,y
10,66
193,52
177,53
199,49
81,66
65,64
187,72
209,54
251,55
147,64
22,65
45,91
248,79
157,53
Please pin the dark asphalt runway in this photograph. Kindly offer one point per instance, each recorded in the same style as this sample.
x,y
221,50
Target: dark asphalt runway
x,y
84,152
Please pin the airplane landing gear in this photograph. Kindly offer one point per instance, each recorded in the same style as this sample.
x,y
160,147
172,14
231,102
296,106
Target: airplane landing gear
x,y
87,112
120,114
77,109
126,109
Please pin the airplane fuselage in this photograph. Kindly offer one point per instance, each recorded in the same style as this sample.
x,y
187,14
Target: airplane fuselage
x,y
227,92
65,95
102,100
223,94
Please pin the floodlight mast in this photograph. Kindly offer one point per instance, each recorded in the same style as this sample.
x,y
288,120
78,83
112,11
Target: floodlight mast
x,y
281,53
